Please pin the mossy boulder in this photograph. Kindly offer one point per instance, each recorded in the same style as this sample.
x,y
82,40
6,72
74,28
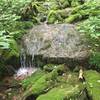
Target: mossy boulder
x,y
63,92
39,83
26,83
51,67
44,83
83,11
93,84
72,18
37,88
58,16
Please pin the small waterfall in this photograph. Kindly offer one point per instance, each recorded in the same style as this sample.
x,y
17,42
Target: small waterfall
x,y
26,66
23,58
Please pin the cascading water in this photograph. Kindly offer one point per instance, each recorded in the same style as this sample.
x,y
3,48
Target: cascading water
x,y
27,68
23,58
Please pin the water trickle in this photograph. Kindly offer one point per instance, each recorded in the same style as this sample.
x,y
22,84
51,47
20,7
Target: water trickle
x,y
27,68
23,58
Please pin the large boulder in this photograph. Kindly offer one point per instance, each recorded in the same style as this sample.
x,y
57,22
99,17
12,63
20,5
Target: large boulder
x,y
57,43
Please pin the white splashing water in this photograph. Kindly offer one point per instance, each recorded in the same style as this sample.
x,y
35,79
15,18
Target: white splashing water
x,y
24,72
26,68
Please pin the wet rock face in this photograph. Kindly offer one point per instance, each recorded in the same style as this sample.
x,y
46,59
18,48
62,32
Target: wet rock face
x,y
56,43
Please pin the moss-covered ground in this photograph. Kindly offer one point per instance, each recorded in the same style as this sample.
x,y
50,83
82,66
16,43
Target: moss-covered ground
x,y
93,84
56,84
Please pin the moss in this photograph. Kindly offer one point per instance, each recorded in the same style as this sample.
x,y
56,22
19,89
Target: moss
x,y
61,68
63,4
75,3
64,12
62,92
51,19
72,18
54,5
55,10
57,79
32,79
53,67
49,67
39,84
94,13
37,88
93,84
83,12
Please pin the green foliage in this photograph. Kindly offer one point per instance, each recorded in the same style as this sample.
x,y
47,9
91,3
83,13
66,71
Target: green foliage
x,y
49,67
93,84
37,84
51,76
90,8
32,79
45,82
8,44
92,29
11,26
58,11
12,6
62,92
95,59
51,11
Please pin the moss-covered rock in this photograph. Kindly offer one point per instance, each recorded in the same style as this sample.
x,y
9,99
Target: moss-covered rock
x,y
93,84
65,84
49,67
52,17
40,82
56,72
83,11
72,18
43,75
62,92
38,11
32,79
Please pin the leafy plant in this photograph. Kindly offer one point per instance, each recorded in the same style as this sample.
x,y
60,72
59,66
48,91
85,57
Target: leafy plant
x,y
92,29
89,8
95,59
11,26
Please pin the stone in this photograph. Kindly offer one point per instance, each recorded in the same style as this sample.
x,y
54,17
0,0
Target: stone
x,y
56,43
67,92
54,86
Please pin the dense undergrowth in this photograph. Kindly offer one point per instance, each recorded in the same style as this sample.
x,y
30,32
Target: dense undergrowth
x,y
86,13
91,27
18,15
11,28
